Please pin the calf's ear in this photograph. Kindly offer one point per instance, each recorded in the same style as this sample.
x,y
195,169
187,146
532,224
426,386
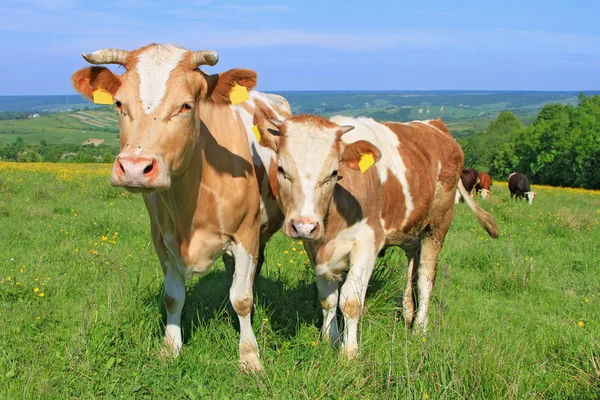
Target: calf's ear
x,y
270,133
87,80
356,155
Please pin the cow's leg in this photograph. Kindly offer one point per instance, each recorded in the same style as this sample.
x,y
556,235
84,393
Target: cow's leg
x,y
426,271
408,301
328,295
241,297
457,197
174,298
352,296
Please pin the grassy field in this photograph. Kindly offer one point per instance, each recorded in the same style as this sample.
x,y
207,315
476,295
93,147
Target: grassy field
x,y
82,313
66,127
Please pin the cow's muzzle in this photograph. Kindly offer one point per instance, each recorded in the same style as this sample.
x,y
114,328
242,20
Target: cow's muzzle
x,y
140,173
304,228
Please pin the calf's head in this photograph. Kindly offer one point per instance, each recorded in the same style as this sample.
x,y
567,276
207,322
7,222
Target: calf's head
x,y
160,99
311,157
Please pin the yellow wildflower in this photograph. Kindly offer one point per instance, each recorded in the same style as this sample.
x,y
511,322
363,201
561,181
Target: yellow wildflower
x,y
581,324
36,290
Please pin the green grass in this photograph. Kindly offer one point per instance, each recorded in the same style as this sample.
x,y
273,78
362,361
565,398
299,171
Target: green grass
x,y
504,320
67,127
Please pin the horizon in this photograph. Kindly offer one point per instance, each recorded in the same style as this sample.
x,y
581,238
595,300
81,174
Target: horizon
x,y
345,46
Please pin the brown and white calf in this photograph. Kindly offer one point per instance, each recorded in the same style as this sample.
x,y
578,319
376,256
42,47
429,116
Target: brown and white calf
x,y
484,186
194,157
345,217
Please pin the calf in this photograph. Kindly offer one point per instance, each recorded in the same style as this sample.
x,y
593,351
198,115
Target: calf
x,y
518,184
484,185
345,216
185,148
469,178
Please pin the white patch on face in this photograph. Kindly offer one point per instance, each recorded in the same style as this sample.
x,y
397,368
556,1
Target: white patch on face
x,y
138,151
387,142
154,68
311,149
530,196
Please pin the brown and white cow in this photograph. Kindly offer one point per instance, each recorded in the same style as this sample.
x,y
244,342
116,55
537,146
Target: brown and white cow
x,y
345,217
470,179
185,147
484,185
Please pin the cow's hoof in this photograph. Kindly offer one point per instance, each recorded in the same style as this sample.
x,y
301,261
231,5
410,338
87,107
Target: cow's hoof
x,y
349,352
251,364
169,350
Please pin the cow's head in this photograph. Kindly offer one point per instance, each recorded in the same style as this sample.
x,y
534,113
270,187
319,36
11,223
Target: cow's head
x,y
160,98
530,196
310,159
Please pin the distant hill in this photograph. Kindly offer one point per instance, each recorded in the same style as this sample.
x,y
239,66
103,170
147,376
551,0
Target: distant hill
x,y
74,119
43,103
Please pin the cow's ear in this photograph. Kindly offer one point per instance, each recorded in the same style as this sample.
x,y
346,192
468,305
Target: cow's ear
x,y
87,80
360,155
220,89
270,133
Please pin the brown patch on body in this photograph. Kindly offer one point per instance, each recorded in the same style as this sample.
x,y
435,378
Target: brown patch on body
x,y
170,303
314,120
243,307
351,308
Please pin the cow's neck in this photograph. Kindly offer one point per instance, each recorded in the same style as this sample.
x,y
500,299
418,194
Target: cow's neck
x,y
215,156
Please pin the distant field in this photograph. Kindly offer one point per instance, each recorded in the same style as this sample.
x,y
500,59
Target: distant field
x,y
82,314
464,111
65,127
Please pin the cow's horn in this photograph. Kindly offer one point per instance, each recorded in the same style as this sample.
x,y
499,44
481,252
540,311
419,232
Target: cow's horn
x,y
107,56
205,57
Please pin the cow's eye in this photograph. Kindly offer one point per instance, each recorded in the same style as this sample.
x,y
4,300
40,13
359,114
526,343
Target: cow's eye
x,y
281,172
118,105
185,108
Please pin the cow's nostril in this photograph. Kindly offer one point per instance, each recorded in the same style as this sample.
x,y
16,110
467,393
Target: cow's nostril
x,y
149,168
294,229
312,231
122,167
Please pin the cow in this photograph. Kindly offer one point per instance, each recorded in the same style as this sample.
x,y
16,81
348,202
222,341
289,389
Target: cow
x,y
484,186
194,157
469,178
346,217
518,184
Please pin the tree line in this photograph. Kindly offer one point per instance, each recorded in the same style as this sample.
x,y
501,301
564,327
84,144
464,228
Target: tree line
x,y
57,152
560,148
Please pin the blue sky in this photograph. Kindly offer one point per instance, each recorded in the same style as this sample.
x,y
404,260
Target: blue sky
x,y
318,45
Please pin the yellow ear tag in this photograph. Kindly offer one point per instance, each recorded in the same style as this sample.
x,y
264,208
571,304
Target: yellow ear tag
x,y
101,96
239,94
256,132
366,160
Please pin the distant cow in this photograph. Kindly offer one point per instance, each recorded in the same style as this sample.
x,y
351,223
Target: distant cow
x,y
469,178
484,185
518,184
346,210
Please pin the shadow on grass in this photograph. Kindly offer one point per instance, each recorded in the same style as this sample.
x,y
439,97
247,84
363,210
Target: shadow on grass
x,y
289,304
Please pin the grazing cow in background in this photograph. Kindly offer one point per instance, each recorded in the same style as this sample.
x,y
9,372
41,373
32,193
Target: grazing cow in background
x,y
346,217
484,185
469,178
518,184
185,147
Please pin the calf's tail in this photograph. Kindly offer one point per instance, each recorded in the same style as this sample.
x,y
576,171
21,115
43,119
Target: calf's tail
x,y
486,220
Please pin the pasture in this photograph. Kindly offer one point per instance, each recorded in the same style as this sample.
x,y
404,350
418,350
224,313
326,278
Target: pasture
x,y
82,312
